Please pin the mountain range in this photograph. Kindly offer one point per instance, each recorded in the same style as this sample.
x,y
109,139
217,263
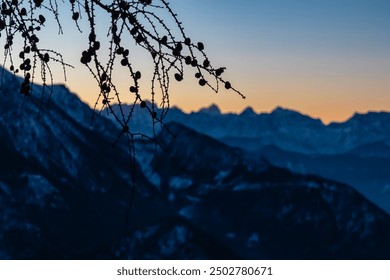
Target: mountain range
x,y
356,152
67,193
285,128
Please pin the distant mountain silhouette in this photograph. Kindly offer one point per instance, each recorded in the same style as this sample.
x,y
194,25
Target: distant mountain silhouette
x,y
247,112
213,110
287,129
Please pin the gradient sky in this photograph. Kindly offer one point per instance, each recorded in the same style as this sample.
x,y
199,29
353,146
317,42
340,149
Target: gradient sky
x,y
325,58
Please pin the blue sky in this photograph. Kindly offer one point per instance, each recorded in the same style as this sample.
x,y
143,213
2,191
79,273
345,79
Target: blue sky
x,y
325,58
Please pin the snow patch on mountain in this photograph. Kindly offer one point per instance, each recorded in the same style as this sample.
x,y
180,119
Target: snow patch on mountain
x,y
173,239
180,182
41,192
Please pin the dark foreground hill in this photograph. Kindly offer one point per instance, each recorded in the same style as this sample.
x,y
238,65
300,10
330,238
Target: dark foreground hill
x,y
65,192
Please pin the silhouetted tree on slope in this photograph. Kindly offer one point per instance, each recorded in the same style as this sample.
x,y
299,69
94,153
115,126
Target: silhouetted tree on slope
x,y
152,25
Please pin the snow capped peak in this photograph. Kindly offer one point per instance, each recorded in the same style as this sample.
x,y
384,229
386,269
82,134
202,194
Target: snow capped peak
x,y
212,110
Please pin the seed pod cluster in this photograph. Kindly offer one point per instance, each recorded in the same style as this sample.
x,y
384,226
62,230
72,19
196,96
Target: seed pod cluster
x,y
178,77
25,87
151,25
105,88
146,2
75,15
85,57
177,50
26,65
42,19
133,89
45,58
202,82
38,3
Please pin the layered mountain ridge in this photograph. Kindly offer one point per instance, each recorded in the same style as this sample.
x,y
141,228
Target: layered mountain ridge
x,y
65,193
285,128
356,152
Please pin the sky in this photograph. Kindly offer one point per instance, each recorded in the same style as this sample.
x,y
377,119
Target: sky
x,y
328,59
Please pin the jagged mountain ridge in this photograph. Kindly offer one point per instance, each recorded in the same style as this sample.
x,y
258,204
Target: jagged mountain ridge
x,y
356,152
64,193
287,129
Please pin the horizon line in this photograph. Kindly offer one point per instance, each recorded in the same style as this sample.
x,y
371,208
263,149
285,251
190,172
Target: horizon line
x,y
277,107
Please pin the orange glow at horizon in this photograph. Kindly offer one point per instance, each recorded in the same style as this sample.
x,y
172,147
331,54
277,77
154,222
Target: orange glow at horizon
x,y
327,59
326,101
